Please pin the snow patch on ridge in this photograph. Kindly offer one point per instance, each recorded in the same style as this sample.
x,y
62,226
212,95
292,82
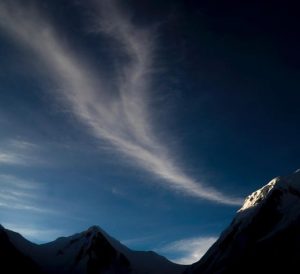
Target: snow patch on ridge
x,y
256,197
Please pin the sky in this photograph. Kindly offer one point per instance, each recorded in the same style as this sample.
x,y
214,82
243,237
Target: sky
x,y
152,119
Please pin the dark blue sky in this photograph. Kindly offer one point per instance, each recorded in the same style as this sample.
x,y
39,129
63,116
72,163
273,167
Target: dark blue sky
x,y
153,120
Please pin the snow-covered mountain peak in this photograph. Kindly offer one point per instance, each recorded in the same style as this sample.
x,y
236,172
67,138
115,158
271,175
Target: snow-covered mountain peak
x,y
92,231
90,251
256,197
286,184
266,229
94,228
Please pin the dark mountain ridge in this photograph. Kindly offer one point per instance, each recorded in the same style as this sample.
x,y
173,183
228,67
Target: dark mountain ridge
x,y
91,251
264,237
12,259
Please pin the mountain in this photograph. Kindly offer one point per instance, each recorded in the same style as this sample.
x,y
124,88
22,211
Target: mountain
x,y
264,237
14,260
89,252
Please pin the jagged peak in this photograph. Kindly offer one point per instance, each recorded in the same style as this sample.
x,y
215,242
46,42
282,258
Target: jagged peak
x,y
259,195
94,228
92,232
285,184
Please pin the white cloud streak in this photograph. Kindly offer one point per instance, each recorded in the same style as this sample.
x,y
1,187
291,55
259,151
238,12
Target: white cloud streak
x,y
20,194
188,251
10,158
18,152
123,120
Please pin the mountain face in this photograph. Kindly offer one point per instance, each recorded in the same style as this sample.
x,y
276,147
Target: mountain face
x,y
90,252
12,259
264,237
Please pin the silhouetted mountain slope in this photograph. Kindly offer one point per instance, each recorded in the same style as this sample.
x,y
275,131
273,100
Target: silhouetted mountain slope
x,y
264,237
12,260
90,252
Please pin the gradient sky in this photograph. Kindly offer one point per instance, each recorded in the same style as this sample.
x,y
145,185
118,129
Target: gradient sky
x,y
152,119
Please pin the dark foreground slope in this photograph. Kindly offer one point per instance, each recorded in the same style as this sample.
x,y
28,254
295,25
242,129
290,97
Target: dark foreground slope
x,y
12,260
89,252
264,237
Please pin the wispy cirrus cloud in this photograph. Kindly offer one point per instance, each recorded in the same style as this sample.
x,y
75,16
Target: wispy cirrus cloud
x,y
18,152
121,116
21,194
33,232
10,158
188,251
